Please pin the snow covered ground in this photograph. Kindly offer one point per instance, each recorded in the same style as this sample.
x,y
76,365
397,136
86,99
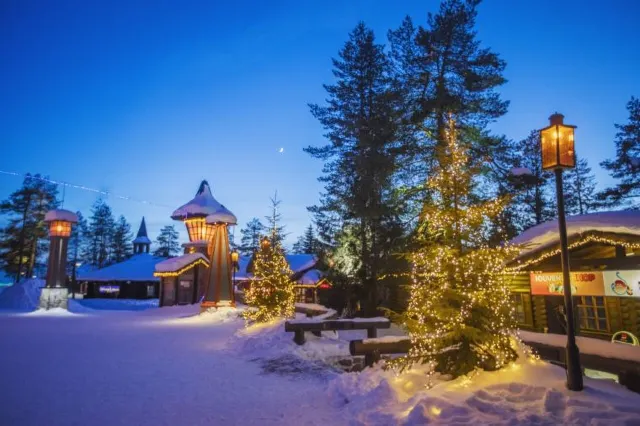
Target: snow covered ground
x,y
171,366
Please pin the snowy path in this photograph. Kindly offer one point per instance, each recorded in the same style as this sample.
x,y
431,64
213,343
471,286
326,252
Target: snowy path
x,y
141,368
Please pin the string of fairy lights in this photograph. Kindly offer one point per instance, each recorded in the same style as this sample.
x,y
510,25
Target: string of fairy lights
x,y
451,287
83,188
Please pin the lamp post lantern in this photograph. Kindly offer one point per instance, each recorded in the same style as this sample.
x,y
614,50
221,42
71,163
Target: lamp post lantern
x,y
558,153
55,292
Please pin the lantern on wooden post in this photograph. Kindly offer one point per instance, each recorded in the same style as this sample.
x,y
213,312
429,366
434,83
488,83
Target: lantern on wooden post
x,y
219,286
55,292
558,153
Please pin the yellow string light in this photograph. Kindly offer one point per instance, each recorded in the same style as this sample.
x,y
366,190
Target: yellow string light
x,y
460,315
183,270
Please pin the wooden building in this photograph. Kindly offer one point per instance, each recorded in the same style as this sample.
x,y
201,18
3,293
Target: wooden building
x,y
309,279
182,279
130,279
604,256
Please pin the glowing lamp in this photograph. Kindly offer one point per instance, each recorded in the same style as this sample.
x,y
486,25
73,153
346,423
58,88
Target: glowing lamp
x,y
235,256
60,222
59,228
557,144
199,229
265,243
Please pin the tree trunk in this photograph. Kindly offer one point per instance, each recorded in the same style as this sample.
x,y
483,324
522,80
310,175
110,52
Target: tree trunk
x,y
22,236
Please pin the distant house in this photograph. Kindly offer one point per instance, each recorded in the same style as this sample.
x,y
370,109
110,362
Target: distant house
x,y
130,279
309,280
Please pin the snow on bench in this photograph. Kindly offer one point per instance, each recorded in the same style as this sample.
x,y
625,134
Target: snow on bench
x,y
316,325
586,345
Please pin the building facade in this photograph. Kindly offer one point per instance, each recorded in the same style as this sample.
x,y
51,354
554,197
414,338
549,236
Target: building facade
x,y
604,257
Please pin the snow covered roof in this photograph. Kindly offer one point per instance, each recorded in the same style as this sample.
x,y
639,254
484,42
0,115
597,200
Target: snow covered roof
x,y
177,263
60,214
546,234
204,205
139,267
300,262
310,277
297,262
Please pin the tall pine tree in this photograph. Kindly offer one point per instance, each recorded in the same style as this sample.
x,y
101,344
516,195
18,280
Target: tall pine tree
x,y
77,245
251,236
307,243
580,189
24,236
361,123
459,316
626,166
167,244
121,240
100,234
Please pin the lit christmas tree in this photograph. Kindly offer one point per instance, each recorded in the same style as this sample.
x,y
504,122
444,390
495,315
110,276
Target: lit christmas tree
x,y
271,294
459,316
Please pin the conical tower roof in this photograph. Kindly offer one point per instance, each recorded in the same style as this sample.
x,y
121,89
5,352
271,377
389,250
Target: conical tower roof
x,y
141,236
203,205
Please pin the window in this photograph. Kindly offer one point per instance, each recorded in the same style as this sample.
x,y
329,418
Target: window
x,y
518,302
592,313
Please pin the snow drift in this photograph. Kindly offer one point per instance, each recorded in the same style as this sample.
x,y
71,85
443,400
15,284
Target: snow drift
x,y
23,296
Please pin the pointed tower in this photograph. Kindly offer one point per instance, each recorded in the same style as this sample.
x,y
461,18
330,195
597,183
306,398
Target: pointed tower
x,y
142,242
194,215
207,222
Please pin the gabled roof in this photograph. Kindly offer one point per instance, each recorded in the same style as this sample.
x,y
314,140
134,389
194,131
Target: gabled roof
x,y
203,205
139,267
546,234
175,264
298,263
141,236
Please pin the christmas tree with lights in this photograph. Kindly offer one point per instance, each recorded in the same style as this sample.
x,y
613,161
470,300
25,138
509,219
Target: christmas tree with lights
x,y
459,316
271,294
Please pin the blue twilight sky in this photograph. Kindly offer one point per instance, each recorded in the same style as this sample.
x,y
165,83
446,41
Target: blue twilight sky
x,y
145,98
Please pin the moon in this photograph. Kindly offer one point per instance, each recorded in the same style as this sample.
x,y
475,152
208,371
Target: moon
x,y
281,150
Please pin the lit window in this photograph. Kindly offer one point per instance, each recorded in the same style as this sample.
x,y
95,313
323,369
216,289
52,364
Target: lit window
x,y
518,302
592,313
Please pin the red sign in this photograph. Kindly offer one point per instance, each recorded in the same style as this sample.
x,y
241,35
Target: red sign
x,y
324,285
582,283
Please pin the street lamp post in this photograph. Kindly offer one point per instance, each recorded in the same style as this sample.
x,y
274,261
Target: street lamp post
x,y
234,264
558,153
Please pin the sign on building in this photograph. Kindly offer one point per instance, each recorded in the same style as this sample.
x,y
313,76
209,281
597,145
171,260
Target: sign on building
x,y
109,289
582,283
622,283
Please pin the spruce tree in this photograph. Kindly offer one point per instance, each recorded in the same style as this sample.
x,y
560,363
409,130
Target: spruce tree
x,y
536,200
626,166
442,69
121,241
361,123
24,236
251,236
307,243
167,242
271,293
459,316
580,188
100,233
274,222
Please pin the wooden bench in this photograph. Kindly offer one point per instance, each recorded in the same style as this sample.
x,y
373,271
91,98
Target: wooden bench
x,y
298,327
373,348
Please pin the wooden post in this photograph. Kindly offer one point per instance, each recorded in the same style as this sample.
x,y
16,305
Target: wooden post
x,y
298,337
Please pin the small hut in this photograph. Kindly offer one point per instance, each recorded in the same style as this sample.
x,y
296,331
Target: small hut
x,y
604,257
182,279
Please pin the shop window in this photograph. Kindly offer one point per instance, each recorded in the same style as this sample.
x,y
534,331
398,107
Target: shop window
x,y
151,290
592,313
518,302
